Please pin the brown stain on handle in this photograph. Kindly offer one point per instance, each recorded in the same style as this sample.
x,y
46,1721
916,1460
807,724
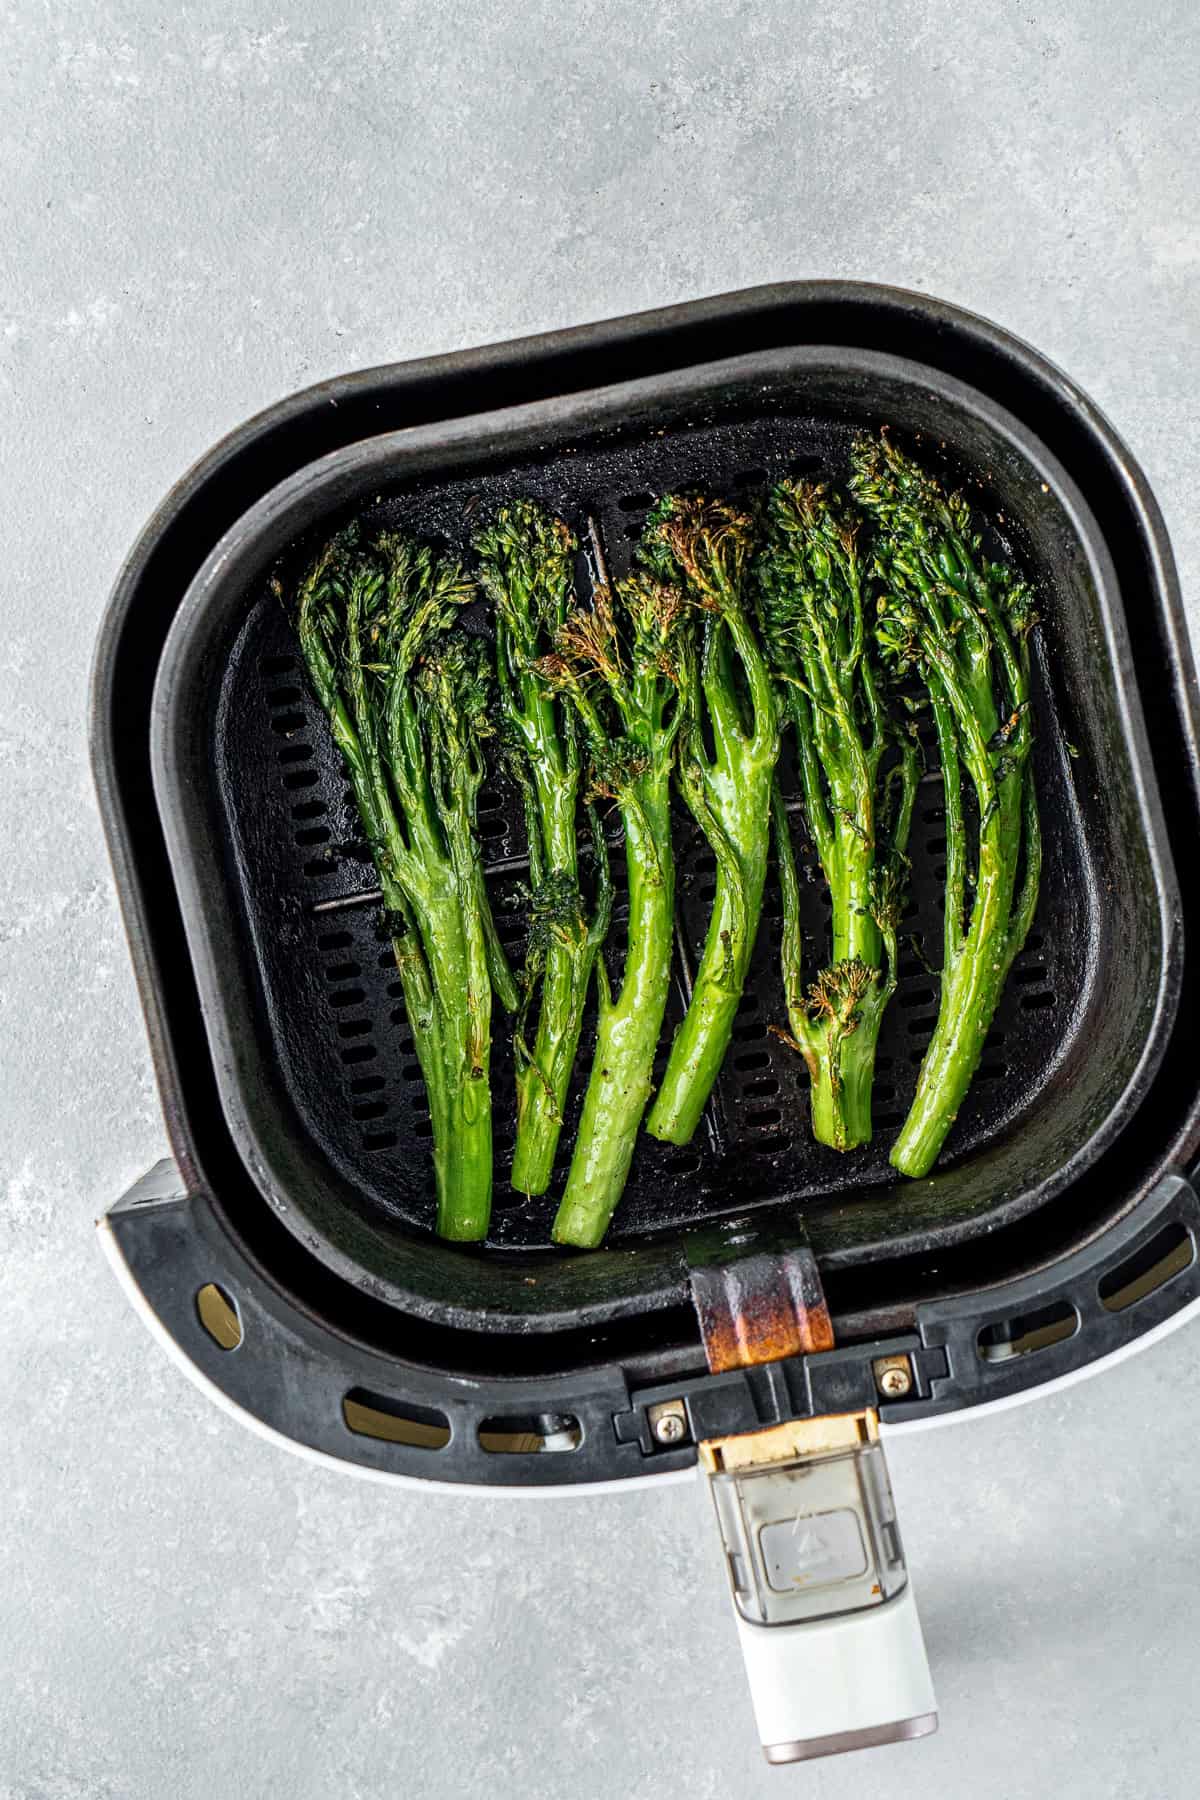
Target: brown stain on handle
x,y
761,1309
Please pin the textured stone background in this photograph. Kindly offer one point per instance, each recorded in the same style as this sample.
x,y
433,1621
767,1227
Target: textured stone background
x,y
199,215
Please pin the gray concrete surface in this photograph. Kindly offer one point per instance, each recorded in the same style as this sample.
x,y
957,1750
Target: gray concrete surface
x,y
200,213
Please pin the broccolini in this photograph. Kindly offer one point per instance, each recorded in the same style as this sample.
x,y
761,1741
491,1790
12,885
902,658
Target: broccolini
x,y
962,623
625,665
526,559
858,777
705,545
408,702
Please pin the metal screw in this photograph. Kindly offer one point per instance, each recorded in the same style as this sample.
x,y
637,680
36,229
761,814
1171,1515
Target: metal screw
x,y
669,1427
893,1376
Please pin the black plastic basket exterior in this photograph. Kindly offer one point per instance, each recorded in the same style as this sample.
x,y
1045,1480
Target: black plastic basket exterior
x,y
643,1322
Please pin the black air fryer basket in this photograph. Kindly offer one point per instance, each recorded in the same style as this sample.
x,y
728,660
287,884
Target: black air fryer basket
x,y
1060,1225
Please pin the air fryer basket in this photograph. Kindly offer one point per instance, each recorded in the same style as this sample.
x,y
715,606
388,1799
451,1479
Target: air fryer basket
x,y
303,1005
1064,1219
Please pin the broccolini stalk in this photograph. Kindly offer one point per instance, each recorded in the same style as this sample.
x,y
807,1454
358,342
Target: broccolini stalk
x,y
407,701
963,624
625,667
858,777
526,559
705,546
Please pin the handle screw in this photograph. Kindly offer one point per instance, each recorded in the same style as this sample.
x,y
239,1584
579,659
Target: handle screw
x,y
893,1376
669,1428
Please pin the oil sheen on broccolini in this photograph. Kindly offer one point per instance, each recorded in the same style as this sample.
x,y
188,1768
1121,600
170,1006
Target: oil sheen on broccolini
x,y
833,618
962,623
705,546
408,699
526,565
624,664
858,775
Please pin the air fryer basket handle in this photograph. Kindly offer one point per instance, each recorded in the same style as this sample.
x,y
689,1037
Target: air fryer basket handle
x,y
841,1683
825,1611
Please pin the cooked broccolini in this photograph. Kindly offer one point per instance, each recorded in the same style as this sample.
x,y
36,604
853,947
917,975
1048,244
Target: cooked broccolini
x,y
734,627
858,777
526,559
625,666
705,546
408,701
963,623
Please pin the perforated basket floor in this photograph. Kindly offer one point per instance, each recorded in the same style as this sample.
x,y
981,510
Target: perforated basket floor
x,y
328,980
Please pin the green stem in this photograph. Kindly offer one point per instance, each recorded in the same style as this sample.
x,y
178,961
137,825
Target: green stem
x,y
792,941
969,997
543,1081
971,988
841,1082
956,834
1026,902
838,1050
544,1073
700,1044
627,1036
816,812
454,1053
854,931
730,799
460,1111
383,832
500,970
972,978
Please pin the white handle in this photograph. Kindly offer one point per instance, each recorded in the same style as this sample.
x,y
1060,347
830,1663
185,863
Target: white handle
x,y
842,1683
